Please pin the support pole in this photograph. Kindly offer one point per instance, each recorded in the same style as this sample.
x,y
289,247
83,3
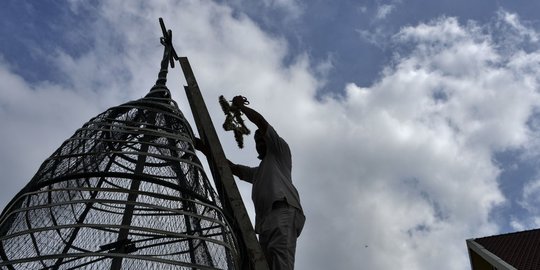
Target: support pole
x,y
123,234
223,178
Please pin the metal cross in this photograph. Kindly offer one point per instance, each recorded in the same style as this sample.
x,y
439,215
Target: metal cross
x,y
169,54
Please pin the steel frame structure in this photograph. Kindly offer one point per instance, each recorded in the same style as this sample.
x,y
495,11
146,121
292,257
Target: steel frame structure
x,y
127,186
126,191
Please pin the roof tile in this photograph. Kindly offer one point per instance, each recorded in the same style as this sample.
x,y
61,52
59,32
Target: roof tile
x,y
519,249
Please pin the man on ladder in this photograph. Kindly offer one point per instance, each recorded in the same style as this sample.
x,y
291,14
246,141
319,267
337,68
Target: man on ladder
x,y
279,216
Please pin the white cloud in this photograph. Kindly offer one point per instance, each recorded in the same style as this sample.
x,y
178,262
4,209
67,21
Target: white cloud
x,y
403,166
362,9
530,223
408,160
291,7
271,12
76,5
529,202
531,192
383,11
513,21
378,34
36,119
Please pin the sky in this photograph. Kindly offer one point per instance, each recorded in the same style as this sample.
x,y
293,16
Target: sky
x,y
414,125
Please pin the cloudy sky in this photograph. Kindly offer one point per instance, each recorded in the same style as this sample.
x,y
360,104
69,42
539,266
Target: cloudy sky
x,y
414,125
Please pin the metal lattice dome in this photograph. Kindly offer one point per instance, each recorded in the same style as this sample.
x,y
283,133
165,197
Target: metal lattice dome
x,y
126,191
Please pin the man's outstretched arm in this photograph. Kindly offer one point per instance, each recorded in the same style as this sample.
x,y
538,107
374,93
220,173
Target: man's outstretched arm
x,y
253,116
242,172
234,168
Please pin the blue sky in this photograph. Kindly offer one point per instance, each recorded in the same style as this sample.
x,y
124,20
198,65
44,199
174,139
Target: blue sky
x,y
414,125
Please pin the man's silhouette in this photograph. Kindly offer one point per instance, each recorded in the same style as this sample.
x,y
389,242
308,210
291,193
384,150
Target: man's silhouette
x,y
279,217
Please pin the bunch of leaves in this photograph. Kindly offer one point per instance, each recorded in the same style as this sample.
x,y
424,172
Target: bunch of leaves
x,y
234,121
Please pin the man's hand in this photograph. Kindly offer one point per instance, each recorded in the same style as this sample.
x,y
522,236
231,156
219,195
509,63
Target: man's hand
x,y
253,116
234,168
240,101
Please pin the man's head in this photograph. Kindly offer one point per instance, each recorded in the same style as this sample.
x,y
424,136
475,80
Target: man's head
x,y
260,144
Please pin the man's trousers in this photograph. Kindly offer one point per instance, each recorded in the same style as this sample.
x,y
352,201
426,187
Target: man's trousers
x,y
279,231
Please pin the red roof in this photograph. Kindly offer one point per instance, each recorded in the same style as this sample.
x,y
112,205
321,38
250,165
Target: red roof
x,y
519,249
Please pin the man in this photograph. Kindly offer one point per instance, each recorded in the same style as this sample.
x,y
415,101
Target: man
x,y
279,217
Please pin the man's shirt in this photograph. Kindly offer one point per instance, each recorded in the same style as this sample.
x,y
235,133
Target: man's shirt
x,y
272,178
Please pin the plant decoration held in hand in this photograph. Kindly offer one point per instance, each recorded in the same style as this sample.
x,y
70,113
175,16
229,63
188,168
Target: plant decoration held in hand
x,y
234,121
